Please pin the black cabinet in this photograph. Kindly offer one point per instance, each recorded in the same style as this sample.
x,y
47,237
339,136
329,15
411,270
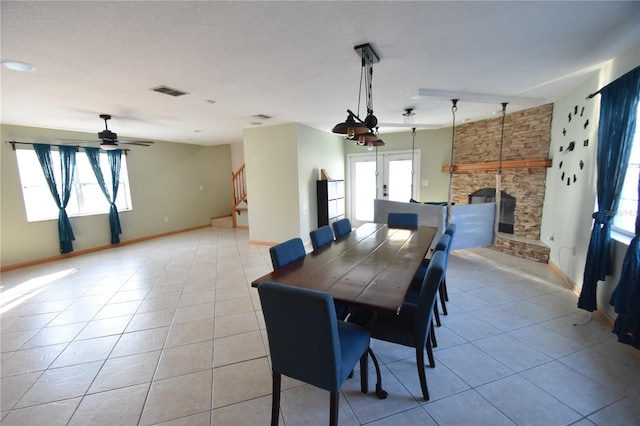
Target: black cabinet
x,y
330,201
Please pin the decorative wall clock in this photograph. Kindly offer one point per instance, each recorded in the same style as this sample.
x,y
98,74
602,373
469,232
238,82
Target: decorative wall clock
x,y
574,143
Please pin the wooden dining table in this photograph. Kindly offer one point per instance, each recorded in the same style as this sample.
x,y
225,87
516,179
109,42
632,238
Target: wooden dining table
x,y
372,267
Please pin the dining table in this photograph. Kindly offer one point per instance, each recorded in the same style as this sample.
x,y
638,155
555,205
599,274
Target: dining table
x,y
370,268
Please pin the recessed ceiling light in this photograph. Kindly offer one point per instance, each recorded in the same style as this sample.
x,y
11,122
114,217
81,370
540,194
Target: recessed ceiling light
x,y
211,101
18,66
198,131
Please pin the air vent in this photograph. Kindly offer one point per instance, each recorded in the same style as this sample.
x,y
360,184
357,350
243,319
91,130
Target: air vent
x,y
169,91
262,116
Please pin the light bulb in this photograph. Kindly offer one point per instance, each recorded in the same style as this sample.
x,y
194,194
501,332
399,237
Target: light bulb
x,y
370,146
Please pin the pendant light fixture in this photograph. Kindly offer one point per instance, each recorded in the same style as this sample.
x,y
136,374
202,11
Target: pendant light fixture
x,y
408,115
498,196
354,128
454,109
413,153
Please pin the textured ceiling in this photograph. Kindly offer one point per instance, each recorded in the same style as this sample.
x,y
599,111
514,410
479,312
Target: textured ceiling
x,y
293,61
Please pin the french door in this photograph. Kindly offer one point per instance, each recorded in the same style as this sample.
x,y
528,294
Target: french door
x,y
391,176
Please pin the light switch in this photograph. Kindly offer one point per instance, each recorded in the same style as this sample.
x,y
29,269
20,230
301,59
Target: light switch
x,y
425,183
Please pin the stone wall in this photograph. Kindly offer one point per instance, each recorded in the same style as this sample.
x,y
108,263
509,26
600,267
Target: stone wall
x,y
527,135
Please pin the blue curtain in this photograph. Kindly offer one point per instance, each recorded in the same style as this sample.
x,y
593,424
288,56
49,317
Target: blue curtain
x,y
114,156
618,107
67,171
626,296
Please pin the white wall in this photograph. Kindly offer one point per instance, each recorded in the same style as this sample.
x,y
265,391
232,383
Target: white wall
x,y
566,216
282,167
165,181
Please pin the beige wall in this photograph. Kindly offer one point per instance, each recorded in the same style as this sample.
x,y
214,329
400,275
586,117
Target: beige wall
x,y
165,181
317,150
271,155
283,163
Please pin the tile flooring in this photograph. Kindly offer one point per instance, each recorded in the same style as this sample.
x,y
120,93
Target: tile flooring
x,y
169,331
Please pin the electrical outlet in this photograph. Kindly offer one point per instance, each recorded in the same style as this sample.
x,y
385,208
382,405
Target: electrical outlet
x,y
166,219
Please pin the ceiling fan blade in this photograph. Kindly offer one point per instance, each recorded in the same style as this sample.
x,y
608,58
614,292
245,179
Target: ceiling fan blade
x,y
139,143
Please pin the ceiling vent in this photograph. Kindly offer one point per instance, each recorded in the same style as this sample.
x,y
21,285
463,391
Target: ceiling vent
x,y
169,91
262,116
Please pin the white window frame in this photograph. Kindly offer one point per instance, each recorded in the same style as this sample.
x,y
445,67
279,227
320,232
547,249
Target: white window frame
x,y
86,196
625,218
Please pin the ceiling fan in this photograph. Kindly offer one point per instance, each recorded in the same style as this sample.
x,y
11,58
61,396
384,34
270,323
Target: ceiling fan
x,y
109,139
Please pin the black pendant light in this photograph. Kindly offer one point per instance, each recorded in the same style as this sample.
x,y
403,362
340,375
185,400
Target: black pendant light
x,y
354,128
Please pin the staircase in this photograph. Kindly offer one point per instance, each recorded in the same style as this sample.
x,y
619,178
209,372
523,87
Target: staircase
x,y
239,194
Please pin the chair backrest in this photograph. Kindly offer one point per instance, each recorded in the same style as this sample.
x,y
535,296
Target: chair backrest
x,y
443,243
341,227
402,220
286,252
451,231
321,236
427,297
303,334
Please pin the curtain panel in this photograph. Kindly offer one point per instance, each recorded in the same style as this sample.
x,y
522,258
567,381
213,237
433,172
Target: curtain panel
x,y
67,172
93,154
618,107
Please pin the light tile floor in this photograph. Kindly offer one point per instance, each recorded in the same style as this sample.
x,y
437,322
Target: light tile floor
x,y
169,331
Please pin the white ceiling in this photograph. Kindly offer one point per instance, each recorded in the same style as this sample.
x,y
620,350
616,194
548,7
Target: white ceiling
x,y
292,60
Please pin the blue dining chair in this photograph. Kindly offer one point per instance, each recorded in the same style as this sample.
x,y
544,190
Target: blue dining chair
x,y
413,293
309,344
411,326
286,252
341,227
444,295
321,237
402,220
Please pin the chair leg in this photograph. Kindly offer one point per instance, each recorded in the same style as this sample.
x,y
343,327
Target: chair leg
x,y
333,408
421,373
275,399
442,301
432,361
436,314
443,286
432,334
364,373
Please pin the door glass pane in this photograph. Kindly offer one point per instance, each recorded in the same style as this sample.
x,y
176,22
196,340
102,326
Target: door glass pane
x,y
365,190
399,188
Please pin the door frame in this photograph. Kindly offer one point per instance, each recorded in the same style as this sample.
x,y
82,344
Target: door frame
x,y
348,188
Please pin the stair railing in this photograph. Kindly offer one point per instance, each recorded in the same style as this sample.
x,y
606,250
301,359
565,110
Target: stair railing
x,y
239,191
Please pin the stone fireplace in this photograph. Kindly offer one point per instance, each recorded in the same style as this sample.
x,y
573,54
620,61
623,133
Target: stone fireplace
x,y
527,135
507,207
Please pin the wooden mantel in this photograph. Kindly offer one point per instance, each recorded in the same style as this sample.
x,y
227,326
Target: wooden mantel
x,y
493,165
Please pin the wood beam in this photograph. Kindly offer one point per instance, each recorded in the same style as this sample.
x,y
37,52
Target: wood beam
x,y
493,165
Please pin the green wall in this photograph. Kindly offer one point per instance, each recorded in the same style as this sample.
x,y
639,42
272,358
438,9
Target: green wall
x,y
165,181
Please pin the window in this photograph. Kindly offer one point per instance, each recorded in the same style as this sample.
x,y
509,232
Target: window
x,y
625,219
86,196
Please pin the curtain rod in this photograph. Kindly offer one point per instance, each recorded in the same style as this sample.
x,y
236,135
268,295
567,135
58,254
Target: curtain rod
x,y
78,147
594,93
